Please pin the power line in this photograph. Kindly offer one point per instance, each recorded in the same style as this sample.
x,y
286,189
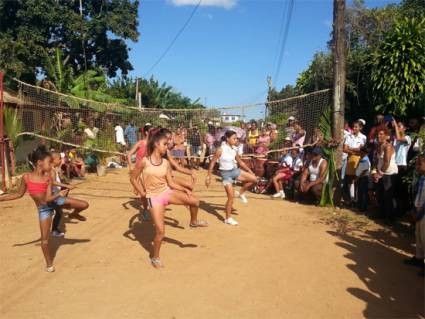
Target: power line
x,y
282,25
284,38
174,40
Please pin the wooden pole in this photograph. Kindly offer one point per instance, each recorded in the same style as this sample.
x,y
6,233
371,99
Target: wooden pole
x,y
339,66
2,141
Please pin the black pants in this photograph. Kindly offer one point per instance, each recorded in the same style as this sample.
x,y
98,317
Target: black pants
x,y
362,193
386,196
57,219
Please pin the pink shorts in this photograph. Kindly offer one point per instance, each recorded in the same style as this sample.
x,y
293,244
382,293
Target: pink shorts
x,y
160,200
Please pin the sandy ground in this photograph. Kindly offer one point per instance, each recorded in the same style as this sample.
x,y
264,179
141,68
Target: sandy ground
x,y
284,260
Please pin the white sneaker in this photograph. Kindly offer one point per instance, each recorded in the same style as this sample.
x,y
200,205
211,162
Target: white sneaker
x,y
242,197
278,194
231,221
282,195
56,233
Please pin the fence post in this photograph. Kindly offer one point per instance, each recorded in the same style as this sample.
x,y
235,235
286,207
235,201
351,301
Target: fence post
x,y
2,141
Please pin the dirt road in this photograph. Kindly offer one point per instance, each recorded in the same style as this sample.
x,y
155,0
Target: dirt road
x,y
284,260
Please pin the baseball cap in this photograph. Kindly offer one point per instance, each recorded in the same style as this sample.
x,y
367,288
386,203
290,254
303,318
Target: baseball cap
x,y
317,151
291,118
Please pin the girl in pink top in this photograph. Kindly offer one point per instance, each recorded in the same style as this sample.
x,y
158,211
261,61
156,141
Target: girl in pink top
x,y
140,148
298,137
263,142
152,179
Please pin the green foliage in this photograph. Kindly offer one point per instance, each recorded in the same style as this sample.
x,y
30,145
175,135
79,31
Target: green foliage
x,y
325,126
30,28
58,71
280,119
12,125
286,92
103,142
318,75
398,75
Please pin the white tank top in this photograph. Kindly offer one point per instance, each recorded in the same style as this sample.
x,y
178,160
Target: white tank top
x,y
227,159
315,171
392,168
56,189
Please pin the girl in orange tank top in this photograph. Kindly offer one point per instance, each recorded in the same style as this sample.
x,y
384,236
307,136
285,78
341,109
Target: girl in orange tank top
x,y
157,185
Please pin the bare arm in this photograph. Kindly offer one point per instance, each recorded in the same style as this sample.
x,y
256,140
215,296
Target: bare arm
x,y
51,197
214,160
322,174
172,184
243,165
177,166
131,152
388,152
134,178
21,192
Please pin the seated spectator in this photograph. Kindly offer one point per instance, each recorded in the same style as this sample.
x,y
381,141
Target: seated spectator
x,y
298,137
289,129
91,131
362,179
314,175
263,142
77,167
271,130
290,165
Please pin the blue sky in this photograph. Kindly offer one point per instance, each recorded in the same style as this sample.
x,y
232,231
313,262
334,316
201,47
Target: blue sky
x,y
230,46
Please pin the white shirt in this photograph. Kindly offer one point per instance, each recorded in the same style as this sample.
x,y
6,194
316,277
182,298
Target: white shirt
x,y
364,165
119,135
227,158
353,141
401,149
91,133
287,160
297,164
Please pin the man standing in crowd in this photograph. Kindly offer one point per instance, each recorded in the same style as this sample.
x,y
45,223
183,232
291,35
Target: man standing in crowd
x,y
131,134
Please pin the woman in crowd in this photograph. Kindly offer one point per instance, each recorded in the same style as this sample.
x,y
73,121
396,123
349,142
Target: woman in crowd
x,y
298,137
228,157
179,147
158,186
263,142
385,174
38,183
252,137
352,145
209,141
139,148
401,144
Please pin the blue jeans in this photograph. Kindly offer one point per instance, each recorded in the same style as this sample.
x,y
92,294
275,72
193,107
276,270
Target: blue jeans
x,y
44,212
230,176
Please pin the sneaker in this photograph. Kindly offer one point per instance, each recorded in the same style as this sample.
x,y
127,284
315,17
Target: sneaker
x,y
231,221
57,233
242,197
277,195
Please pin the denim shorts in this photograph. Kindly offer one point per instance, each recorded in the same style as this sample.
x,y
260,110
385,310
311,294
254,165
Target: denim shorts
x,y
44,212
229,177
60,201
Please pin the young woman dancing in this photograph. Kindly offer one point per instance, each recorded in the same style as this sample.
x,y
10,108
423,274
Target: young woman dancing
x,y
39,186
159,188
227,157
139,148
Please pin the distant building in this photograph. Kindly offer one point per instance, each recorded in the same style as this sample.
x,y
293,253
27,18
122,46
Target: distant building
x,y
230,118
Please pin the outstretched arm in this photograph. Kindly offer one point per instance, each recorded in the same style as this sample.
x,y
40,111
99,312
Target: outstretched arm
x,y
131,152
214,160
21,191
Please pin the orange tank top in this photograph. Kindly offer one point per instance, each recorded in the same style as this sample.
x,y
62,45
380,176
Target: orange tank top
x,y
154,177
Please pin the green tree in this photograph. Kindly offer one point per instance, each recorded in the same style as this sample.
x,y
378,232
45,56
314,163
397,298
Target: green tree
x,y
398,75
30,28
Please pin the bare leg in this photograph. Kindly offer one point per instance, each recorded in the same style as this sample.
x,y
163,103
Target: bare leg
x,y
157,214
77,205
248,181
229,202
277,183
181,198
45,225
184,183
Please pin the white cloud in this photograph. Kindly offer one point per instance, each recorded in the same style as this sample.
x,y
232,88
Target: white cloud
x,y
227,4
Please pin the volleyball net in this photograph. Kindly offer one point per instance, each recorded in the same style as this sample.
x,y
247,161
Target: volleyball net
x,y
68,121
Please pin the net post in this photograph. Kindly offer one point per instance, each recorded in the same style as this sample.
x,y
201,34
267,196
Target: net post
x,y
2,141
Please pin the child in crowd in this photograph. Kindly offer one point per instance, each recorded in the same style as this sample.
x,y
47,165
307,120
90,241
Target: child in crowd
x,y
418,214
282,175
362,175
77,166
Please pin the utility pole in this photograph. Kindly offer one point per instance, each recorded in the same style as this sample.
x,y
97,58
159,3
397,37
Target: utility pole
x,y
339,67
270,85
136,98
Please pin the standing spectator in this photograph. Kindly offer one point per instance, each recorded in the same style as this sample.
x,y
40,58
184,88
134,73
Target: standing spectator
x,y
402,144
314,175
271,131
263,142
209,141
347,132
418,215
362,174
253,135
373,134
179,147
352,145
91,131
119,135
131,134
298,137
385,174
289,129
347,128
195,140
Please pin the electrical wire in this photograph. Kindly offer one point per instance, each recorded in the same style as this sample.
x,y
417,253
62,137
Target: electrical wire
x,y
284,38
174,40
